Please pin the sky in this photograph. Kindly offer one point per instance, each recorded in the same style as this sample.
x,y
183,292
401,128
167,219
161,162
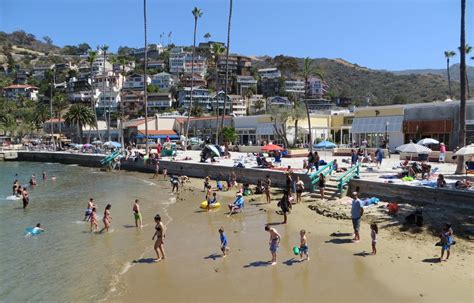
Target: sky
x,y
379,34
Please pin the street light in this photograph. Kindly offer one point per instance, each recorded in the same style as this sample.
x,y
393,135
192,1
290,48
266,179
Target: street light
x,y
386,133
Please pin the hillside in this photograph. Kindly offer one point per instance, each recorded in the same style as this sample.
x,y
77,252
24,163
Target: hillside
x,y
359,83
454,71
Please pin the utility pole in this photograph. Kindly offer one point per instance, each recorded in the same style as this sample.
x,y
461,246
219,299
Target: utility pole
x,y
53,141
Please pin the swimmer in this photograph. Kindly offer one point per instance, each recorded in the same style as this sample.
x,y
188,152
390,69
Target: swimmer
x,y
107,218
53,177
15,186
90,205
93,219
33,180
44,175
34,231
137,214
26,197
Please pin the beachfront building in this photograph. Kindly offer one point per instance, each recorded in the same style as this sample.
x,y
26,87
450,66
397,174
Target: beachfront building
x,y
21,91
163,80
102,131
341,126
255,130
294,86
158,102
159,126
201,98
316,105
269,73
135,82
244,83
109,87
201,127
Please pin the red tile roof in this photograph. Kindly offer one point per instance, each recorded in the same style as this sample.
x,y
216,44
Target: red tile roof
x,y
163,132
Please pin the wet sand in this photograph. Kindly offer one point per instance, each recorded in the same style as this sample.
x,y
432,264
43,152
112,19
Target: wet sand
x,y
339,271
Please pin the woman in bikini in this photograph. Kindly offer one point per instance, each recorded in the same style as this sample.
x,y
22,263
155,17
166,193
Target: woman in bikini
x,y
107,218
26,197
160,236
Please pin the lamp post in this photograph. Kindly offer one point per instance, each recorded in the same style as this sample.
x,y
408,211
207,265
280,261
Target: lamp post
x,y
386,133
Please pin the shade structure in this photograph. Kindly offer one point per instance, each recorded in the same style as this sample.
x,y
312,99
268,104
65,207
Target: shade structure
x,y
325,144
413,148
97,142
427,141
465,151
271,147
112,144
213,149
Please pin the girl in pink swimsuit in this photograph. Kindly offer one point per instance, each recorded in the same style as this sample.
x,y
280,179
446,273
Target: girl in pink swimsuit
x,y
107,218
93,218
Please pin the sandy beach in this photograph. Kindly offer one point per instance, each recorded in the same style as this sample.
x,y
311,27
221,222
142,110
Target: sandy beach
x,y
404,270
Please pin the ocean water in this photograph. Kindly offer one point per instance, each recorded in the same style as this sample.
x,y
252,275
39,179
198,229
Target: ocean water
x,y
68,263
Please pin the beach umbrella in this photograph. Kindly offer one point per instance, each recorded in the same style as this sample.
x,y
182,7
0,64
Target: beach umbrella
x,y
87,145
412,148
325,144
214,150
271,147
97,142
465,151
113,144
427,141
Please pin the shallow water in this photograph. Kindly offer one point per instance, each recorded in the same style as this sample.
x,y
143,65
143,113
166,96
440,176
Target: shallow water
x,y
67,262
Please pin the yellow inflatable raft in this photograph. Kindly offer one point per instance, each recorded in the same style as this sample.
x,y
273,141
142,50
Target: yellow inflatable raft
x,y
214,205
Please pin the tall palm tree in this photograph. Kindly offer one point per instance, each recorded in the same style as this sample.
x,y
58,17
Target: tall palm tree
x,y
104,49
217,51
197,13
145,81
227,63
92,56
462,106
448,55
248,95
468,50
60,104
80,115
207,36
308,71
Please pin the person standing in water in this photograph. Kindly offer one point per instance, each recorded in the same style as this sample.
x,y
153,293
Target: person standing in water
x,y
90,206
44,175
274,242
25,196
107,218
93,219
137,214
160,230
174,183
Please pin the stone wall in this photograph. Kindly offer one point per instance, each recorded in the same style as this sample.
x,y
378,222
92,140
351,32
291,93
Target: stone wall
x,y
415,195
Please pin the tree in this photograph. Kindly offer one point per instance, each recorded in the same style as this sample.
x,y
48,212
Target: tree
x,y
248,95
207,36
196,111
297,112
197,13
104,49
217,50
80,115
259,104
48,40
280,117
468,50
60,104
92,56
229,135
460,169
83,48
448,55
227,63
40,115
308,71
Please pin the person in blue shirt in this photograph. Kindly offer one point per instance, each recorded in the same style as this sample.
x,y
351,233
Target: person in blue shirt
x,y
356,213
223,238
238,204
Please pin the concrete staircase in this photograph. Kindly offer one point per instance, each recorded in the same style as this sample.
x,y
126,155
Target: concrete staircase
x,y
331,191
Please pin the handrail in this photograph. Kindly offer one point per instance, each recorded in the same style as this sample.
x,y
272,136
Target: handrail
x,y
314,177
351,173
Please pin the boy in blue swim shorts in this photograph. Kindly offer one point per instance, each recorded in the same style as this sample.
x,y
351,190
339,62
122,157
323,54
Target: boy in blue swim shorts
x,y
303,245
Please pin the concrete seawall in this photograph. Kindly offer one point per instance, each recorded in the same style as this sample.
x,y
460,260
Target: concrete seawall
x,y
190,169
414,195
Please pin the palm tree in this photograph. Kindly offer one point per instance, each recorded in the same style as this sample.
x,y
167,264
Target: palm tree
x,y
60,104
460,169
227,63
104,49
448,55
92,56
80,115
217,51
248,95
197,13
468,50
259,105
308,71
207,36
145,81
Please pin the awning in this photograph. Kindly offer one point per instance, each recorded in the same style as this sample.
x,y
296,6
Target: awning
x,y
265,129
370,125
158,134
172,137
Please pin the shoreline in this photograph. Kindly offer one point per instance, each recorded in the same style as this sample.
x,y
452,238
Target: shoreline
x,y
395,256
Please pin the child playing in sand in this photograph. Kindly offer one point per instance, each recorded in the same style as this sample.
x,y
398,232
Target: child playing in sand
x,y
211,201
446,241
206,182
374,230
93,219
208,192
223,238
165,173
303,245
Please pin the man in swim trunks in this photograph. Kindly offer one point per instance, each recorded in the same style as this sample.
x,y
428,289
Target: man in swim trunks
x,y
137,214
274,242
90,206
26,197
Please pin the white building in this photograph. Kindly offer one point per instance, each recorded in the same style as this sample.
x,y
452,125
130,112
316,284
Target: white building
x,y
101,66
176,60
201,97
294,86
181,62
316,87
269,73
239,105
163,80
159,101
17,91
135,81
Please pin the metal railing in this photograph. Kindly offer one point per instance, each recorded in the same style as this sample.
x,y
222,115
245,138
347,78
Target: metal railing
x,y
325,170
344,179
